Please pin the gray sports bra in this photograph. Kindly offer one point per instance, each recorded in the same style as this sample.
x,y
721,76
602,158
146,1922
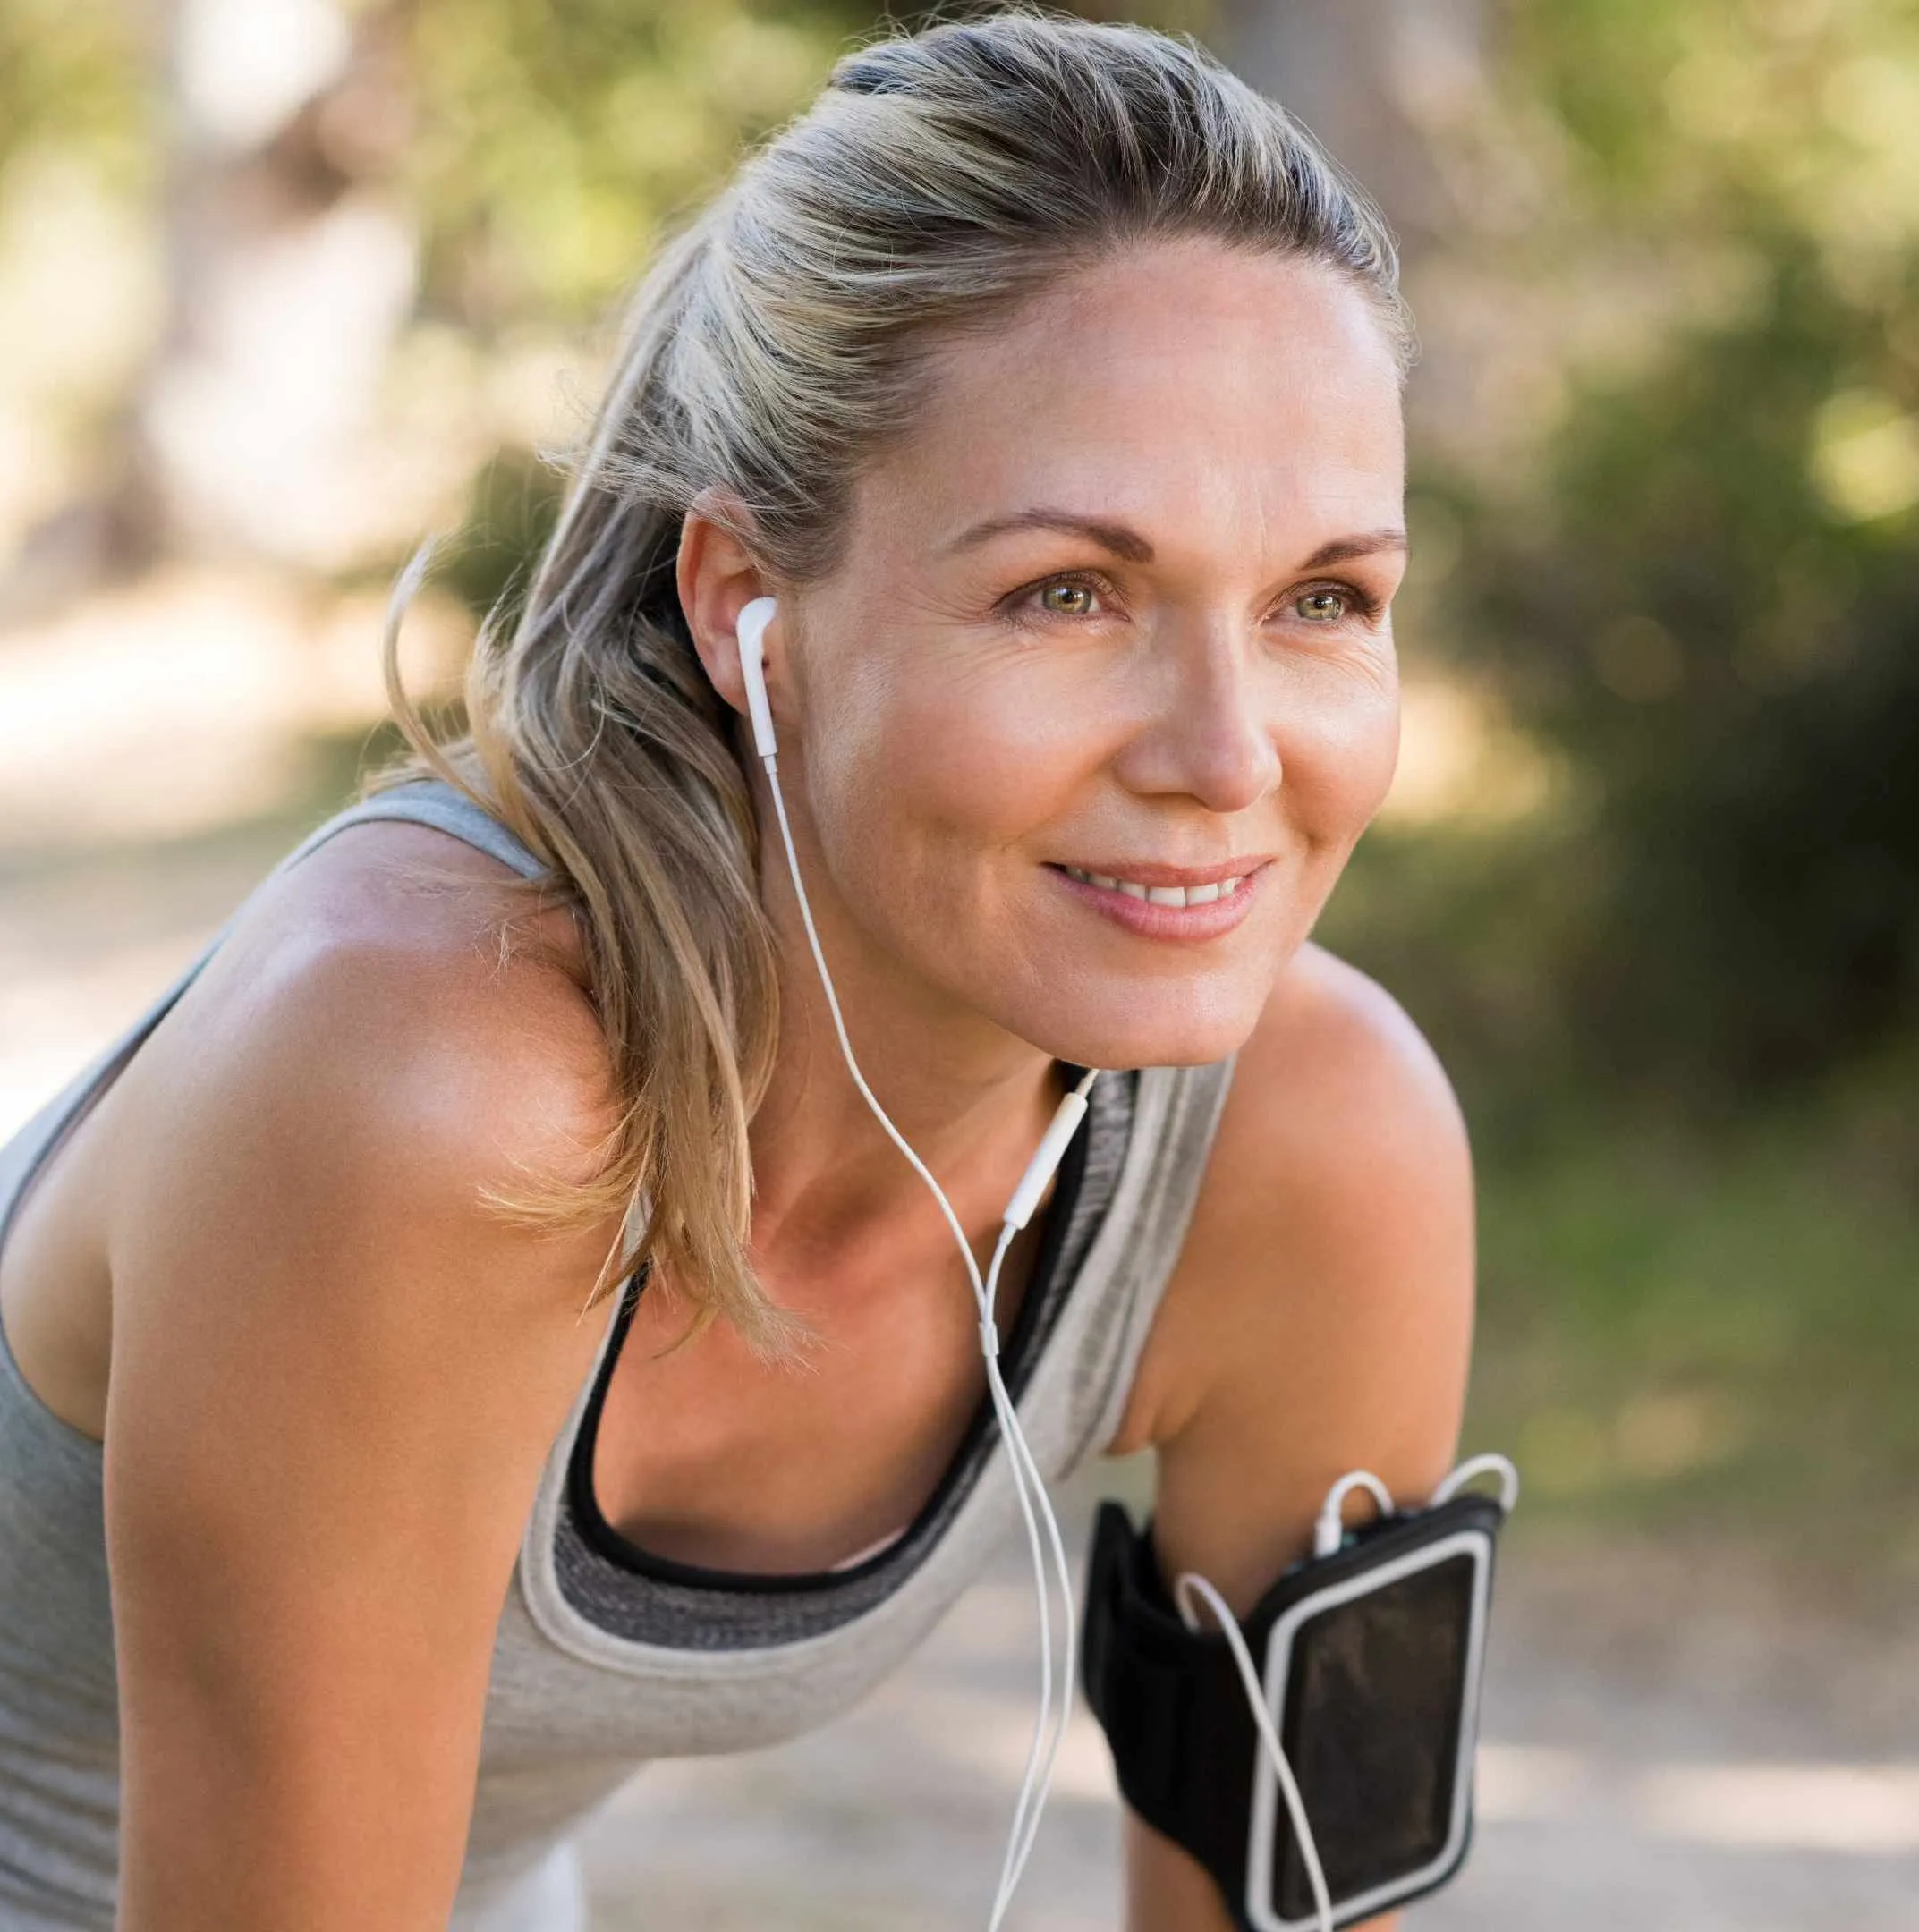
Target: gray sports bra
x,y
606,1657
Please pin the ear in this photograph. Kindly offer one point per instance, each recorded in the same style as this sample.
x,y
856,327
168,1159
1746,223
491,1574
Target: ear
x,y
718,577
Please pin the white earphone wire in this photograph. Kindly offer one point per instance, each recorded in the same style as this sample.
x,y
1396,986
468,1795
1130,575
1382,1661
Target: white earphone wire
x,y
1192,1584
1330,1530
1034,1789
1471,1469
1029,1485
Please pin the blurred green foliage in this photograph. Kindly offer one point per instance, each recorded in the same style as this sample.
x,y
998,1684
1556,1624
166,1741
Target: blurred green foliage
x,y
1705,1336
71,78
555,140
1728,663
1703,592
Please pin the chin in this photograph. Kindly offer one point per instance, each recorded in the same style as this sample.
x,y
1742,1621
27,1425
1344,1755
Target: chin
x,y
1161,1024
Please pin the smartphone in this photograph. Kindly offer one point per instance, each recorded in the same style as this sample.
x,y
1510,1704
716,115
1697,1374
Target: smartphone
x,y
1374,1684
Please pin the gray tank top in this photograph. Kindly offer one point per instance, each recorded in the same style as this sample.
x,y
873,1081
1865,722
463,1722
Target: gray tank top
x,y
606,1657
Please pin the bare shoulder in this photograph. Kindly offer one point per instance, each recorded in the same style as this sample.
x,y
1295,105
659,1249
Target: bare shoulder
x,y
388,1034
1337,1092
395,990
1320,1315
306,1232
387,1047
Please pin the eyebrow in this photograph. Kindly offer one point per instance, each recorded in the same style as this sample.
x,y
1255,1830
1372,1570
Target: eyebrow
x,y
1114,536
1127,543
1344,548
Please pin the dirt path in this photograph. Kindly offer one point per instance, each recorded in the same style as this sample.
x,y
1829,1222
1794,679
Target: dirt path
x,y
1640,1774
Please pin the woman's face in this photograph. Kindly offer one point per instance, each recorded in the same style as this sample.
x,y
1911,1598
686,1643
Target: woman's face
x,y
1112,623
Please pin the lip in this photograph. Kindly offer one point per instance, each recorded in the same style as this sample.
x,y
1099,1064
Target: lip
x,y
1146,872
1192,924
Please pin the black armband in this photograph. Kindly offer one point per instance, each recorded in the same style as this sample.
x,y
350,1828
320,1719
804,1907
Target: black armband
x,y
1370,1659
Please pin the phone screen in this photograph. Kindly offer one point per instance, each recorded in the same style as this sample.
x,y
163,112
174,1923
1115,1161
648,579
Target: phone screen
x,y
1375,1697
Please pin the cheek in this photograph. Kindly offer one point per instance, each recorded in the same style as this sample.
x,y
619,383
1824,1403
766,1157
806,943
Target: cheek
x,y
927,778
1338,758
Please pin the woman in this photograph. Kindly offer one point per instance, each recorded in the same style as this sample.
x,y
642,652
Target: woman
x,y
1050,379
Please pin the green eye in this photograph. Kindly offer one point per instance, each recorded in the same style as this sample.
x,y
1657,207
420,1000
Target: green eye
x,y
1066,600
1322,606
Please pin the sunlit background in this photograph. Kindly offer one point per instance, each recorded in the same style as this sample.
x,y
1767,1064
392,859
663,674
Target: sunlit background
x,y
285,284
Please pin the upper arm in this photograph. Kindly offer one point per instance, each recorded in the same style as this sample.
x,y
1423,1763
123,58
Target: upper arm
x,y
336,1372
1320,1319
1320,1316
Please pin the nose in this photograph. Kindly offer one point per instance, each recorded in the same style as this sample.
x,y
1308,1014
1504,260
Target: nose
x,y
1209,732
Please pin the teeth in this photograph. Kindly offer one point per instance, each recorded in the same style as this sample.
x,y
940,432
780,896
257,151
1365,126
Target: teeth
x,y
1161,895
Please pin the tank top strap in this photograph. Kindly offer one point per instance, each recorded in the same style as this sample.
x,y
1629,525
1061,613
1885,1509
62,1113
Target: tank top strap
x,y
1177,1116
428,802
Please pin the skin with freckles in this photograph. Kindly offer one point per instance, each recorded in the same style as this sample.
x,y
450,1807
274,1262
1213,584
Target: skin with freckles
x,y
1180,685
1117,607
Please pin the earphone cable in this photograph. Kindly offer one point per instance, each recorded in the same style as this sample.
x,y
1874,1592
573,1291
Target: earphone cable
x,y
1039,1776
1029,1486
1191,1584
845,1045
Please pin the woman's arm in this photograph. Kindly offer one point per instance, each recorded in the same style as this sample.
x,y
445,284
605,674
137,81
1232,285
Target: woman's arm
x,y
1320,1320
335,1373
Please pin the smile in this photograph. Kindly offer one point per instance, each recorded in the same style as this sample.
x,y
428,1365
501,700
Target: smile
x,y
1158,895
1188,906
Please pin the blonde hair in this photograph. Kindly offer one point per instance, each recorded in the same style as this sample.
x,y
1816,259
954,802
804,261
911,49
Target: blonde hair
x,y
776,347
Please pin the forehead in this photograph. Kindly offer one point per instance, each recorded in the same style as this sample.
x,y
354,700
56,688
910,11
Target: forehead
x,y
1186,387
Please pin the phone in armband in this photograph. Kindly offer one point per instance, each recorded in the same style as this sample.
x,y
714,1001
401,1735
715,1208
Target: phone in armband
x,y
1366,1659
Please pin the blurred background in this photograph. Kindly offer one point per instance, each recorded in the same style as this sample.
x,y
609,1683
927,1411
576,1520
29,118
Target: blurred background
x,y
285,283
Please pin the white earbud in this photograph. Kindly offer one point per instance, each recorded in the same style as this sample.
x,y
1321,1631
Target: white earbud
x,y
751,632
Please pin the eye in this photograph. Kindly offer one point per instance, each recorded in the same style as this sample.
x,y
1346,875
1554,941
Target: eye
x,y
1322,606
1066,597
1075,596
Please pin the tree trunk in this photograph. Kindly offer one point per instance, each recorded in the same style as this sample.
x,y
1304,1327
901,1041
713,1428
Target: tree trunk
x,y
290,274
290,271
